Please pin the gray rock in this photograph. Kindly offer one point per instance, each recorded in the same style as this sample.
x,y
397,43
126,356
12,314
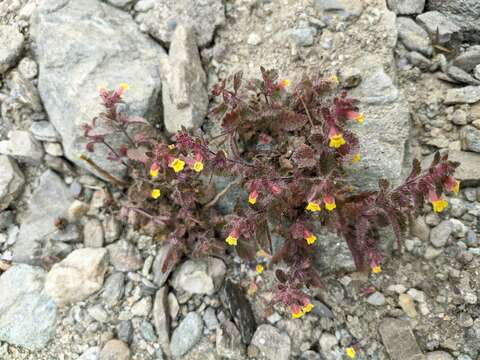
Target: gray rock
x,y
124,256
327,341
160,276
161,18
210,318
142,307
27,314
11,181
28,68
377,299
93,234
386,113
161,318
11,45
272,344
237,304
420,229
345,9
332,253
185,97
124,331
439,355
115,350
460,117
469,59
406,7
470,138
187,334
120,3
53,149
114,288
44,131
50,200
229,341
439,234
254,39
464,13
92,353
23,147
81,45
24,92
98,313
399,340
78,276
147,330
465,95
461,76
471,238
413,36
418,60
199,276
310,355
434,21
303,37
322,310
476,72
112,229
469,170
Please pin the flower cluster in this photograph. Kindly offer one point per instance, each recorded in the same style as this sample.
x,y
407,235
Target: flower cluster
x,y
287,145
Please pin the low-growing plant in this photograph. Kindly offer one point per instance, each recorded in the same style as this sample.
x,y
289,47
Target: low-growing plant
x,y
288,147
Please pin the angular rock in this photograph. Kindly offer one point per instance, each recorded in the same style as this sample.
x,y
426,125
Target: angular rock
x,y
229,341
27,314
272,344
28,68
469,59
24,91
185,97
343,8
114,288
465,95
434,21
200,276
161,318
332,253
44,131
469,170
162,17
406,303
78,276
464,13
81,45
439,234
125,331
237,304
406,7
399,340
187,334
160,276
470,138
115,350
11,45
11,181
23,147
376,299
461,76
386,127
91,354
418,60
93,236
304,36
124,256
413,36
439,355
50,201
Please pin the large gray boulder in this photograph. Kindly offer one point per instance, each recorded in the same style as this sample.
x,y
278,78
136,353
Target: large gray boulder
x,y
50,200
27,314
81,46
465,13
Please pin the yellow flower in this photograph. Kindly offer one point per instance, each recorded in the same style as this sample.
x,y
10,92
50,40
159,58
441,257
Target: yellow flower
x,y
297,315
286,83
356,158
259,268
252,197
330,206
124,86
313,206
307,308
171,146
177,165
336,141
351,353
155,193
439,205
360,118
334,79
154,173
231,240
311,239
377,269
198,166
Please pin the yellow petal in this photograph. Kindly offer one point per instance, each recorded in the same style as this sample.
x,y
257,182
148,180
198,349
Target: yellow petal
x,y
311,239
177,165
198,166
308,308
154,173
351,353
124,86
313,206
231,240
330,206
259,269
155,193
377,269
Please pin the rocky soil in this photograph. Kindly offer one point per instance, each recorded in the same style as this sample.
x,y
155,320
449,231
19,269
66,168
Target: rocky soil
x,y
93,288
